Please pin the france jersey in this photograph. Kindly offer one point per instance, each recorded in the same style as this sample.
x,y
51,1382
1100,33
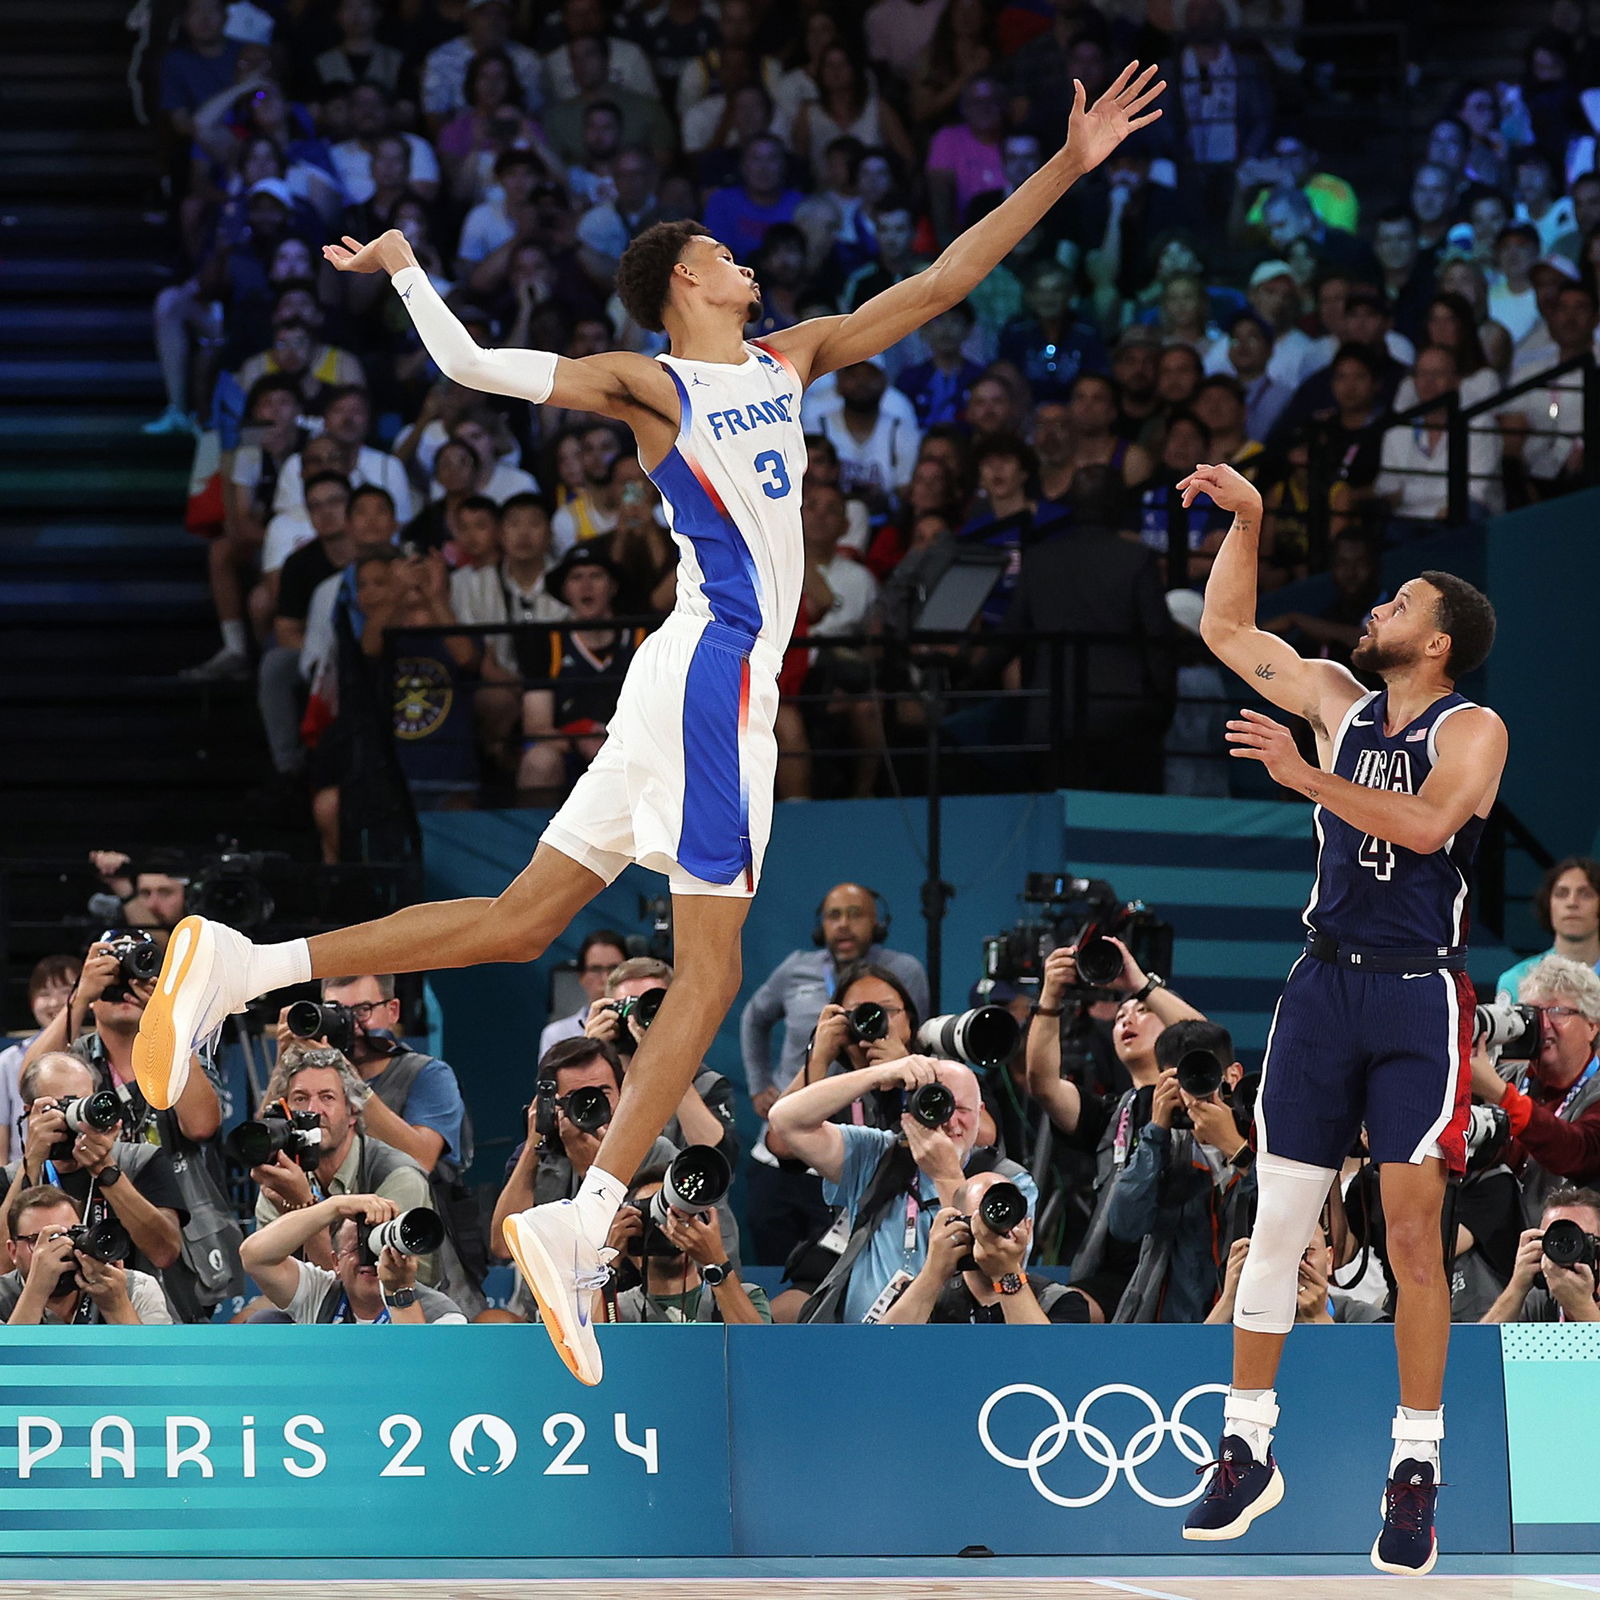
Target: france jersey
x,y
1371,893
1374,1029
684,781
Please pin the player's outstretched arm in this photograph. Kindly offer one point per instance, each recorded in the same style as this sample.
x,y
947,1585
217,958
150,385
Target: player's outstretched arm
x,y
827,343
1470,751
1319,691
617,384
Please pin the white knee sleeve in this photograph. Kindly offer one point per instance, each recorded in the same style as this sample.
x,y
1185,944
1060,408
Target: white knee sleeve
x,y
1290,1196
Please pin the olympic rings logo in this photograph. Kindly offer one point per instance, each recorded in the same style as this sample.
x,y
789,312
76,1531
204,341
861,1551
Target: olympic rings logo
x,y
1096,1444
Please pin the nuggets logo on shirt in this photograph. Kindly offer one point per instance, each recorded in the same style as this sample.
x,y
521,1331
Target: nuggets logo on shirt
x,y
423,695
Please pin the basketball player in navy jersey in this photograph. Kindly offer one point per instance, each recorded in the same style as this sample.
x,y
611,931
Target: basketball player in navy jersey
x,y
1375,1023
683,783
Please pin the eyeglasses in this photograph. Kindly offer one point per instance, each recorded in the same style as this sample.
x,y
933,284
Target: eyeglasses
x,y
1557,1013
363,1009
31,1239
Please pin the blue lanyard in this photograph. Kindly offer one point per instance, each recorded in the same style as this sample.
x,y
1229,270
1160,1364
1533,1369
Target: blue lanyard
x,y
344,1306
1572,1093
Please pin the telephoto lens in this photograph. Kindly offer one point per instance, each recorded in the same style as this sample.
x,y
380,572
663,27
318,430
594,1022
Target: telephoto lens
x,y
297,1133
1002,1207
1566,1244
1099,961
696,1181
139,959
323,1019
1510,1031
101,1112
867,1022
932,1104
417,1232
587,1109
1199,1073
984,1038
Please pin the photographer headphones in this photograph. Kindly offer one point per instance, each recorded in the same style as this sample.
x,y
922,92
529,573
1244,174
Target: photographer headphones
x,y
880,928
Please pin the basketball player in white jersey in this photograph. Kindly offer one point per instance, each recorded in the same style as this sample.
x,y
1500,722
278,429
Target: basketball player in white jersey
x,y
684,781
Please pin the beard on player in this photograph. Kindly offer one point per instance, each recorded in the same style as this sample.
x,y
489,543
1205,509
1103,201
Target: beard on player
x,y
1368,655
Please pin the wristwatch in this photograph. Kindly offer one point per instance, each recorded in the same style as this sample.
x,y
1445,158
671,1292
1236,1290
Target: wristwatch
x,y
400,1300
716,1275
1011,1283
1242,1159
109,1176
1152,980
1037,1010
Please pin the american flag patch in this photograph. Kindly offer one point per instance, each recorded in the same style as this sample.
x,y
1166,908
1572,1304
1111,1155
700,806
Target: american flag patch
x,y
1413,738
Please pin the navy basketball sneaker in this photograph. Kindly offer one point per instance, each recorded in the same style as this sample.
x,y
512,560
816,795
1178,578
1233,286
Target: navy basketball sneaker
x,y
1241,1489
1408,1545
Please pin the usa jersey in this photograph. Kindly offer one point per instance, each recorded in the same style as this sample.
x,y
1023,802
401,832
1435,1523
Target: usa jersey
x,y
1371,893
732,487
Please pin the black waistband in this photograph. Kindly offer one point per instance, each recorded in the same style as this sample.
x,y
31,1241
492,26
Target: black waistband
x,y
1431,958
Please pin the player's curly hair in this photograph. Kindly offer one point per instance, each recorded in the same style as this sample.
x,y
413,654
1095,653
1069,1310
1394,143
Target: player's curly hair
x,y
1466,615
644,275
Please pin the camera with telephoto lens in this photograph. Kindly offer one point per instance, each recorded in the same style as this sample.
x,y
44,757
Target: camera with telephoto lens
x,y
588,1109
1508,1031
984,1038
1002,1207
639,1009
417,1232
297,1133
1200,1074
96,1113
866,1023
138,961
100,1241
1568,1245
932,1104
694,1183
323,1019
1488,1134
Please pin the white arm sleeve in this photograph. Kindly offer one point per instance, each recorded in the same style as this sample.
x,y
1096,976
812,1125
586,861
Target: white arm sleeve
x,y
523,374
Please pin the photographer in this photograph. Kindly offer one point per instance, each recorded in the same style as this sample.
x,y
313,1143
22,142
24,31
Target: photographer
x,y
313,1078
50,987
976,1275
785,1205
1553,1105
51,1281
1569,1291
600,954
851,927
101,1173
1187,1192
153,890
1105,1125
682,1267
889,1183
359,1288
705,1114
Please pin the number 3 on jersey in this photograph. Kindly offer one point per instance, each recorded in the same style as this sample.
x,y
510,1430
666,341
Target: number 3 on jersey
x,y
1379,855
778,485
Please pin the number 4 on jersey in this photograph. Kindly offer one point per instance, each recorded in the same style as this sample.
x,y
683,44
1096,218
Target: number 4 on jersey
x,y
1379,855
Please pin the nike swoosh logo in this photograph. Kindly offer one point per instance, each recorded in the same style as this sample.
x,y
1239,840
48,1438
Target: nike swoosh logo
x,y
1361,722
1407,976
583,1310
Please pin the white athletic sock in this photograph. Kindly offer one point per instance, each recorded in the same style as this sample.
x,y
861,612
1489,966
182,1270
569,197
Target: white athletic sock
x,y
277,966
1252,1414
1417,1435
234,638
599,1198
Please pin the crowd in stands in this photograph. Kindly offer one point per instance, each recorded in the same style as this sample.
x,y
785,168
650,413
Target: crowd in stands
x,y
1132,1189
1216,291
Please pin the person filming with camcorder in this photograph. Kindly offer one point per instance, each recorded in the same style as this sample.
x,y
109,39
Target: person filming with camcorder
x,y
1557,1273
376,1247
672,1264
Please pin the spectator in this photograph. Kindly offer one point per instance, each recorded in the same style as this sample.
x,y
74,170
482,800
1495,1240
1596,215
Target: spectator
x,y
1289,219
593,510
1567,904
1541,203
894,226
491,120
499,476
1250,357
605,230
347,420
369,169
358,1287
201,66
705,1114
1478,109
641,118
564,723
1178,374
1332,633
965,158
1432,206
446,69
847,102
600,954
866,1171
1048,346
360,57
940,386
1092,404
1512,302
52,1282
1292,161
937,48
1135,366
1071,46
1219,404
50,988
1548,277
1222,102
1450,326
1316,1300
1543,428
1569,1292
1554,1106
1187,1192
703,77
876,447
1407,276
1188,441
644,553
740,216
683,1269
1104,1125
1488,213
1008,517
627,65
1274,295
1412,477
505,214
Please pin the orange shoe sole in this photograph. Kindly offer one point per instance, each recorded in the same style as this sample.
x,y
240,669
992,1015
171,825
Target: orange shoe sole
x,y
157,1044
551,1325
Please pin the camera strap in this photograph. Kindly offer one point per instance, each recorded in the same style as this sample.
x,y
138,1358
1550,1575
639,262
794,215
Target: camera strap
x,y
343,1313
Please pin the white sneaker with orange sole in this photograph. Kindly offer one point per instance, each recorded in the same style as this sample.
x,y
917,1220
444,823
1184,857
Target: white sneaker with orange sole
x,y
202,983
563,1270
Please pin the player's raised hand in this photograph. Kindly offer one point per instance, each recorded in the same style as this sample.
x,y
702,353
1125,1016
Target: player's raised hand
x,y
1258,737
1093,132
1229,490
389,252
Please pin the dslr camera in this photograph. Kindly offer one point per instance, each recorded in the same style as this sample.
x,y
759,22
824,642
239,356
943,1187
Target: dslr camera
x,y
1568,1245
323,1019
587,1109
101,1241
1002,1207
637,1008
696,1181
297,1133
99,1113
984,1038
866,1023
1508,1031
932,1104
138,961
1200,1075
417,1232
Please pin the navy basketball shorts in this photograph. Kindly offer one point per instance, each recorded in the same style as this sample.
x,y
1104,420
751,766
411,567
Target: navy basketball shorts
x,y
1389,1050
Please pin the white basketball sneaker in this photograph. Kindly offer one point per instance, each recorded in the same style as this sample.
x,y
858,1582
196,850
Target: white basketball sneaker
x,y
202,983
563,1270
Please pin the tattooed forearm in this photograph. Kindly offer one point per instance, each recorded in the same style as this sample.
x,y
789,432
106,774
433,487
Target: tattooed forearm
x,y
1266,670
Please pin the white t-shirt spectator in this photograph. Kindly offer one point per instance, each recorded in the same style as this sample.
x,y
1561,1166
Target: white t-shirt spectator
x,y
855,593
884,460
372,466
353,163
444,76
487,228
491,594
1415,469
315,1282
505,481
628,68
1518,314
1554,413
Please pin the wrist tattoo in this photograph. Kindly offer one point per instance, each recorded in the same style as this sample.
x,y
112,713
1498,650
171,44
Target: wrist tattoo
x,y
1264,670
